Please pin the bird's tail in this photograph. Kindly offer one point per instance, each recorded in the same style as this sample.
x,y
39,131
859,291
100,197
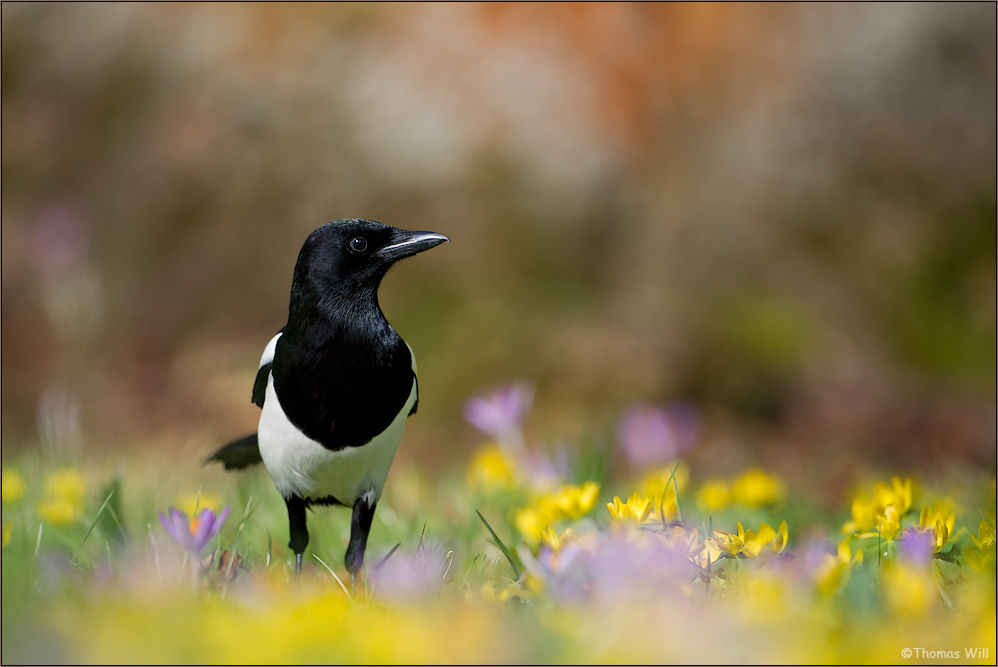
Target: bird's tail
x,y
239,454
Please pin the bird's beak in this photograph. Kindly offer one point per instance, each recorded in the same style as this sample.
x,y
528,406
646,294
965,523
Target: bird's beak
x,y
405,243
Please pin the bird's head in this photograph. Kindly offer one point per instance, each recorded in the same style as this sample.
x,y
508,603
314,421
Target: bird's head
x,y
346,259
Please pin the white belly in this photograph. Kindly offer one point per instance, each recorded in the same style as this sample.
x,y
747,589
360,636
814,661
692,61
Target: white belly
x,y
299,465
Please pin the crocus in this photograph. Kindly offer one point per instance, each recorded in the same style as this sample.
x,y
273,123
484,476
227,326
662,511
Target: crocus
x,y
400,579
501,414
193,536
650,435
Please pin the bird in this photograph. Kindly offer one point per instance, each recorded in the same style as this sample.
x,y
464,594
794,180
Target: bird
x,y
336,384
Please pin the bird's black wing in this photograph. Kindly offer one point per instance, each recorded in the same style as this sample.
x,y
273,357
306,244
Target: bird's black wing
x,y
239,454
415,405
263,373
260,384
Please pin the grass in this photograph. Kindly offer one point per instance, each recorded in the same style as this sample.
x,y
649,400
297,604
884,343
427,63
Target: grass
x,y
665,580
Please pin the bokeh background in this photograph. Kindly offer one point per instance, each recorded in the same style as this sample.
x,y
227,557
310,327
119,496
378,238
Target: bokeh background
x,y
783,216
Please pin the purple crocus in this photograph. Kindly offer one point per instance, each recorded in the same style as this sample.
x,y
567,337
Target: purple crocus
x,y
400,579
500,415
193,536
651,435
917,546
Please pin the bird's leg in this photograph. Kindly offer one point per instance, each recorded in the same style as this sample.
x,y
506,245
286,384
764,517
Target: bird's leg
x,y
360,526
298,530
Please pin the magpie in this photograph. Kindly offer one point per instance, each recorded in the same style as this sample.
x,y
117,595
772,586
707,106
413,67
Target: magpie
x,y
336,383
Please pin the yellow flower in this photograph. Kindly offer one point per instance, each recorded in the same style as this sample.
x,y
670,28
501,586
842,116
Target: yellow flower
x,y
13,486
864,514
882,511
714,495
570,502
712,551
756,488
897,494
59,511
7,528
766,542
191,504
681,543
655,482
557,542
941,522
531,522
657,486
981,556
491,470
889,523
728,543
909,590
67,484
833,573
64,492
635,511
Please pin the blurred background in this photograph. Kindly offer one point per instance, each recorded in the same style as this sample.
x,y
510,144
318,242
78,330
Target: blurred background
x,y
783,216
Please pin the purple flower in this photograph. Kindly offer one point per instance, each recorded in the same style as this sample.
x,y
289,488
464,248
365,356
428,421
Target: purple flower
x,y
400,579
651,435
193,536
917,546
501,414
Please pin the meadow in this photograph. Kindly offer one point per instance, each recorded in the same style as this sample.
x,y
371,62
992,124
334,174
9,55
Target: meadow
x,y
528,555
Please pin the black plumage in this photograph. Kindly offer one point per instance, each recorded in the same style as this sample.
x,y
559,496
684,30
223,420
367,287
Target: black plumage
x,y
337,378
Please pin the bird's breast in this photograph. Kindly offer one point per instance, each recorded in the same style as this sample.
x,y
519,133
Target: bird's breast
x,y
302,466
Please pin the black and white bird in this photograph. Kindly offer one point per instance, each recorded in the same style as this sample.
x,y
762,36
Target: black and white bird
x,y
337,383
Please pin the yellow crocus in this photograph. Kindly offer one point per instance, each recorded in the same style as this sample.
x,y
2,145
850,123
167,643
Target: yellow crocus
x,y
729,543
766,542
909,590
833,573
757,488
13,486
635,511
681,543
554,540
889,523
531,523
568,503
714,495
491,470
883,511
712,551
191,504
981,556
657,486
941,522
897,494
571,502
64,492
864,514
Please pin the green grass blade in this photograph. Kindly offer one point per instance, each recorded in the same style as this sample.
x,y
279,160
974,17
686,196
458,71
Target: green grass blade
x,y
330,571
513,559
384,560
90,529
270,547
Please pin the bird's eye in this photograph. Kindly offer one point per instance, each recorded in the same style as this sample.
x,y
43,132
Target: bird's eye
x,y
358,244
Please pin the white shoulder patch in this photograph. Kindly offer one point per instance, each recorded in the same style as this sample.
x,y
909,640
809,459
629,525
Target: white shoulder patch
x,y
268,352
